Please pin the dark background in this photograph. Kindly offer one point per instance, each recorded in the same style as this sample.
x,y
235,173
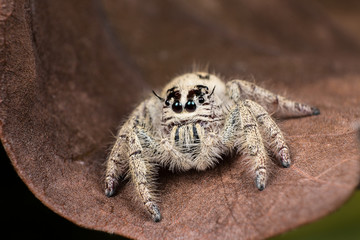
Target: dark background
x,y
24,216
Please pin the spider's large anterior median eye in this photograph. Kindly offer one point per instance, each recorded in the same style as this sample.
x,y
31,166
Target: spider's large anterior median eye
x,y
190,106
177,107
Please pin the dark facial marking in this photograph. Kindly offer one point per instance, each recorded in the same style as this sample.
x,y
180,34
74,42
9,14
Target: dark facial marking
x,y
202,86
177,95
196,135
203,76
171,89
194,92
198,91
173,94
177,135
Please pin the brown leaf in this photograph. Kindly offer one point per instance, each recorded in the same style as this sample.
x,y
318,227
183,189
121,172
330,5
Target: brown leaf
x,y
72,70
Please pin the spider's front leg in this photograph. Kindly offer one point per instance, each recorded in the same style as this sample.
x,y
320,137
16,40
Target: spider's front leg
x,y
116,164
131,154
275,104
140,170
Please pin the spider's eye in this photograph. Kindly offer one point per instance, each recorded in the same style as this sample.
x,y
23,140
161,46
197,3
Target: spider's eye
x,y
201,100
190,106
167,102
177,107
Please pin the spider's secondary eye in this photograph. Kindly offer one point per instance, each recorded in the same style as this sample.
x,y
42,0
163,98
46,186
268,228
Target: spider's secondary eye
x,y
190,106
201,100
177,107
167,102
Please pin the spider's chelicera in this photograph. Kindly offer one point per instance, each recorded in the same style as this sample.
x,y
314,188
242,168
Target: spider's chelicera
x,y
195,121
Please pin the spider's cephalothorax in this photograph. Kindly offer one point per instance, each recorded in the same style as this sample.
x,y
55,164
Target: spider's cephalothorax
x,y
196,120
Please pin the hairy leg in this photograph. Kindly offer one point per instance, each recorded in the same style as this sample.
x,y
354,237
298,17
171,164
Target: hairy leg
x,y
278,105
117,161
231,126
141,172
251,145
271,132
116,164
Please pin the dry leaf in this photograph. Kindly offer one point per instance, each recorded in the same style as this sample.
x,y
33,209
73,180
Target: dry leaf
x,y
72,70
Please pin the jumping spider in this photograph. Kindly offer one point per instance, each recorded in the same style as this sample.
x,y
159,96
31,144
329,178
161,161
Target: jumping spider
x,y
197,119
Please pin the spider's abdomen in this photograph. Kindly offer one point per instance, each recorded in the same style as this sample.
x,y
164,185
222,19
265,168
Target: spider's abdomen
x,y
187,138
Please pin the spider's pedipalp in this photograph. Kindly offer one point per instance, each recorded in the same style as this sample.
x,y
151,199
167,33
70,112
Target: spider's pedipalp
x,y
271,133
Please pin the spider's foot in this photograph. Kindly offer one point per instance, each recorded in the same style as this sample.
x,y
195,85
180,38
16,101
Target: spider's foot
x,y
285,157
154,211
110,185
260,180
315,111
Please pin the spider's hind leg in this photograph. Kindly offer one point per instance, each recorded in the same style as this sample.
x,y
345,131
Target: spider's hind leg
x,y
273,103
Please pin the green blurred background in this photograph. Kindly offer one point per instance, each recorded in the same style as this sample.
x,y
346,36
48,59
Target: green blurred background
x,y
344,223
